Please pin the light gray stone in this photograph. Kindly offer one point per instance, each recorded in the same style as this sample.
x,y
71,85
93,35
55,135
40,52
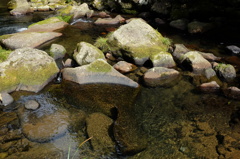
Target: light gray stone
x,y
86,53
98,71
193,61
161,76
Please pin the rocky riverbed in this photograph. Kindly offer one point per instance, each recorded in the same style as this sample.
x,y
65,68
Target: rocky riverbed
x,y
130,93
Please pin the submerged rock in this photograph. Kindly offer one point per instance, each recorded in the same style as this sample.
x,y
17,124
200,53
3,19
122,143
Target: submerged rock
x,y
98,127
27,69
199,27
193,61
160,76
210,87
31,105
179,24
45,123
28,39
232,92
86,53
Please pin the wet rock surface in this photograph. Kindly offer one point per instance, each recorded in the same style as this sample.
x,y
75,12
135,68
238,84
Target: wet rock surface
x,y
20,67
160,76
29,39
99,127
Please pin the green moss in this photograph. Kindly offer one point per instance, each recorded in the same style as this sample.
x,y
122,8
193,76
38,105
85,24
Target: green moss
x,y
166,41
5,36
129,11
65,11
4,54
46,21
102,44
66,18
222,66
26,76
99,66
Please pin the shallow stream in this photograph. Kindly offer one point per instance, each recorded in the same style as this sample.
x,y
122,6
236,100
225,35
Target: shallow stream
x,y
177,122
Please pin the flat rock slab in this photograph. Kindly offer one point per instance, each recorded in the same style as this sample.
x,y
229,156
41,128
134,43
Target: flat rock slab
x,y
29,39
97,72
47,27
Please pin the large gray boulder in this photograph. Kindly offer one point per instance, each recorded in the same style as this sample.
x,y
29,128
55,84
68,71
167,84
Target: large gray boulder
x,y
21,7
27,69
193,61
86,53
160,76
138,40
28,39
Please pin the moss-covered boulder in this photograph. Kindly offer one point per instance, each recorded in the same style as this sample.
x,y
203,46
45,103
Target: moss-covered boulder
x,y
27,69
20,7
225,71
194,61
48,25
138,40
163,59
57,51
76,11
28,39
86,53
97,72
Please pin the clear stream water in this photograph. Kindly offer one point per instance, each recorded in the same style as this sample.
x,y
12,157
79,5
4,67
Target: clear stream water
x,y
169,117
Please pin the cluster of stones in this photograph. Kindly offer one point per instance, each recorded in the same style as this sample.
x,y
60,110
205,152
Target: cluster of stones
x,y
31,69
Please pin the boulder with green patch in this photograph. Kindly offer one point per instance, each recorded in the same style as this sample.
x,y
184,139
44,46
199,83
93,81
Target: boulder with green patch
x,y
194,61
27,69
226,72
50,24
97,72
85,53
138,40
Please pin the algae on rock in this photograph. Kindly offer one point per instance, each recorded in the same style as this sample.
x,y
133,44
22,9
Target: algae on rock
x,y
138,40
27,69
